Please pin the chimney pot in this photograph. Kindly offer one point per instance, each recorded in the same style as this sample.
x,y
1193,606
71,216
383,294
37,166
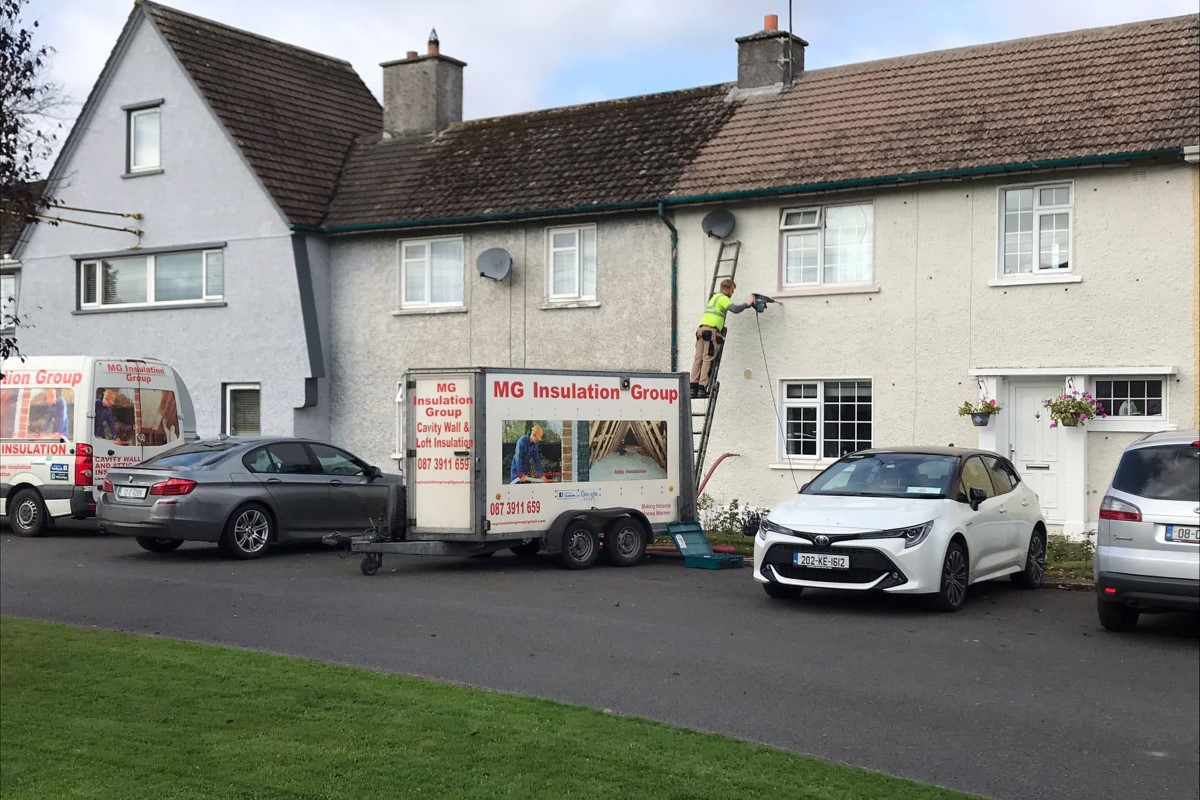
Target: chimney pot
x,y
771,22
434,44
411,54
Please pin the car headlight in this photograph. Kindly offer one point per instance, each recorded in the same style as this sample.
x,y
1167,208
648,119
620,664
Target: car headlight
x,y
765,526
912,535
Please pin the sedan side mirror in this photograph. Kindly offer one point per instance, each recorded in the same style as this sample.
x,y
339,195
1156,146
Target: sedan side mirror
x,y
977,496
374,472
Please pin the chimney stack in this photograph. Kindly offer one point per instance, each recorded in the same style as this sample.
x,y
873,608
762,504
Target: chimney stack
x,y
763,57
422,94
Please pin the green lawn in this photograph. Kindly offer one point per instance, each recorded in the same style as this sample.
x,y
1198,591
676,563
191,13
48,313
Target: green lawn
x,y
92,714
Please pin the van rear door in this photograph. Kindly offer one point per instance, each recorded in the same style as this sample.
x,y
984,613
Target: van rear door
x,y
134,413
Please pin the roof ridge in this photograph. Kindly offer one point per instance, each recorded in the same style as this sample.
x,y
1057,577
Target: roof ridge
x,y
669,93
1020,40
214,23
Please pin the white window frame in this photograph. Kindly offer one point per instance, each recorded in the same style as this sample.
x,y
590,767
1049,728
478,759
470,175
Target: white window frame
x,y
1139,421
132,115
1039,274
229,388
789,460
206,296
818,225
402,261
15,276
551,250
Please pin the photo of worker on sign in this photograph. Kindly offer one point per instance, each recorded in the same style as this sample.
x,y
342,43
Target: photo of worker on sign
x,y
532,451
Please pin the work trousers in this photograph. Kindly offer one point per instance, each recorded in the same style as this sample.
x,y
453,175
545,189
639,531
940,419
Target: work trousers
x,y
708,347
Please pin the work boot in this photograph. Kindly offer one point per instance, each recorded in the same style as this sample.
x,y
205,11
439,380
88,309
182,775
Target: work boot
x,y
700,393
695,387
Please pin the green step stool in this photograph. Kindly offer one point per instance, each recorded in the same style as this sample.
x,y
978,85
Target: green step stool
x,y
692,544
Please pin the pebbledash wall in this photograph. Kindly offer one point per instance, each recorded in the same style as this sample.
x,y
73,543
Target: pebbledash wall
x,y
937,324
256,333
934,327
505,323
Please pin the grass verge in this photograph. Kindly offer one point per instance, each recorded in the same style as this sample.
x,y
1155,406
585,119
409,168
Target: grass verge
x,y
95,714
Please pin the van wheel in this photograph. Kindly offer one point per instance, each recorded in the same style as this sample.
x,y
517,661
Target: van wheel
x,y
625,542
158,545
1116,617
27,513
247,533
580,546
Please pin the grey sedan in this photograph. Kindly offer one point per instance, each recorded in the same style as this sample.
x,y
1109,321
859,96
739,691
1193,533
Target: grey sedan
x,y
244,494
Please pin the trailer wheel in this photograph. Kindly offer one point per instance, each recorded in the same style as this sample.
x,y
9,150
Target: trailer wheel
x,y
625,542
371,563
580,546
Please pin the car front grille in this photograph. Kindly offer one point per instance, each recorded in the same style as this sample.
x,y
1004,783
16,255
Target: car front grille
x,y
866,565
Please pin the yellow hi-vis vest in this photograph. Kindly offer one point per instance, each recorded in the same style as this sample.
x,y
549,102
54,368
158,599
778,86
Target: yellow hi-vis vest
x,y
714,312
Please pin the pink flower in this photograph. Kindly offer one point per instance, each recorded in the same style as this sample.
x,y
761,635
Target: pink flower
x,y
1053,424
1083,416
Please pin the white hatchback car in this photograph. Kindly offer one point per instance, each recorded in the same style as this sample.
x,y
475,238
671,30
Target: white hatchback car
x,y
927,521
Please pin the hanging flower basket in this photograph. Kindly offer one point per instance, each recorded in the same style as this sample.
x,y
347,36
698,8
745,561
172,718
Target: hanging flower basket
x,y
980,413
1073,409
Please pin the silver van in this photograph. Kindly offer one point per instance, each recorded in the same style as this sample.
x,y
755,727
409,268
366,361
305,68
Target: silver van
x,y
1148,539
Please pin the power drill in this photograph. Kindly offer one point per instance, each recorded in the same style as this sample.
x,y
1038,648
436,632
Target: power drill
x,y
760,302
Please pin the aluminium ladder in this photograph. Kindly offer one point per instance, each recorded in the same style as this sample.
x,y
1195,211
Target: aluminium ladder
x,y
727,258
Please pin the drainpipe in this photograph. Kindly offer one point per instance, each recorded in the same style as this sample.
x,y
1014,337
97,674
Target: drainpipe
x,y
662,214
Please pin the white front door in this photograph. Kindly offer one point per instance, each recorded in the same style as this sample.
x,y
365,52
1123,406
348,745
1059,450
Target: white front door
x,y
1035,446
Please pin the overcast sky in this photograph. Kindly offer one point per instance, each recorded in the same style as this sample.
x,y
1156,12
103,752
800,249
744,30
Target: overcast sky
x,y
530,54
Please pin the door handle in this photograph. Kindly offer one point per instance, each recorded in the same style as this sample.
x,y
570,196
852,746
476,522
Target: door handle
x,y
273,480
462,453
335,482
1002,510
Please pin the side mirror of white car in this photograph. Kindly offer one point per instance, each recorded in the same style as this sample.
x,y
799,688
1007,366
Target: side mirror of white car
x,y
977,496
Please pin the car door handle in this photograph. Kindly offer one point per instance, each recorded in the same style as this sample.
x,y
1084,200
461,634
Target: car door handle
x,y
1002,510
274,480
335,482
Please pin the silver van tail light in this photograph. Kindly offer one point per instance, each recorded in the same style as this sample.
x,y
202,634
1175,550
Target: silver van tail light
x,y
1112,508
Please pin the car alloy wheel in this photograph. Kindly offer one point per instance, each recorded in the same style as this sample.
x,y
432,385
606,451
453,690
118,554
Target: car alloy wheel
x,y
952,589
251,530
1035,562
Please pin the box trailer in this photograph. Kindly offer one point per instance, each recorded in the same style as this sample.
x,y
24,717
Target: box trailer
x,y
573,463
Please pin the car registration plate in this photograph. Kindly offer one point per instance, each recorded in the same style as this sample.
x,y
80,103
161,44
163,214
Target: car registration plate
x,y
1178,533
821,561
131,492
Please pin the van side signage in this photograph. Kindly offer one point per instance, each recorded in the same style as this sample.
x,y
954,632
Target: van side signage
x,y
32,449
41,377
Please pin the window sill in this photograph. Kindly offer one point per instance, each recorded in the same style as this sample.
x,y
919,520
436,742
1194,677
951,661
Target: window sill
x,y
418,312
808,465
1130,425
149,307
816,291
1034,280
554,305
142,173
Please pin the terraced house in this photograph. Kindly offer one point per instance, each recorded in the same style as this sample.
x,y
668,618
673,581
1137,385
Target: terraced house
x,y
1007,221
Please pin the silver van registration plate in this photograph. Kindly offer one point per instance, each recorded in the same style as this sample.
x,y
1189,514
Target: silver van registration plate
x,y
1178,533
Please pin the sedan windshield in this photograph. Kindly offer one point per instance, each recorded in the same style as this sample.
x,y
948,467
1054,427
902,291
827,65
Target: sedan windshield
x,y
196,454
888,475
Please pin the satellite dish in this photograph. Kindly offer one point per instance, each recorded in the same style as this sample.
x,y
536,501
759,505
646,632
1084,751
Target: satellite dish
x,y
718,224
494,263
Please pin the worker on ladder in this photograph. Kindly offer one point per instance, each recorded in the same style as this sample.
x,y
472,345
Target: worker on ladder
x,y
710,336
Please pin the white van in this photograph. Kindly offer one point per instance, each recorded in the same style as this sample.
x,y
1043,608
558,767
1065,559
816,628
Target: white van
x,y
66,420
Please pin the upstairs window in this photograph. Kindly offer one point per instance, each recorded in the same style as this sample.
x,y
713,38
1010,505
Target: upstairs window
x,y
144,138
158,279
828,246
1035,230
431,273
572,264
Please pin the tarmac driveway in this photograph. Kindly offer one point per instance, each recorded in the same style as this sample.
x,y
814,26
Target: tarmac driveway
x,y
1020,695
